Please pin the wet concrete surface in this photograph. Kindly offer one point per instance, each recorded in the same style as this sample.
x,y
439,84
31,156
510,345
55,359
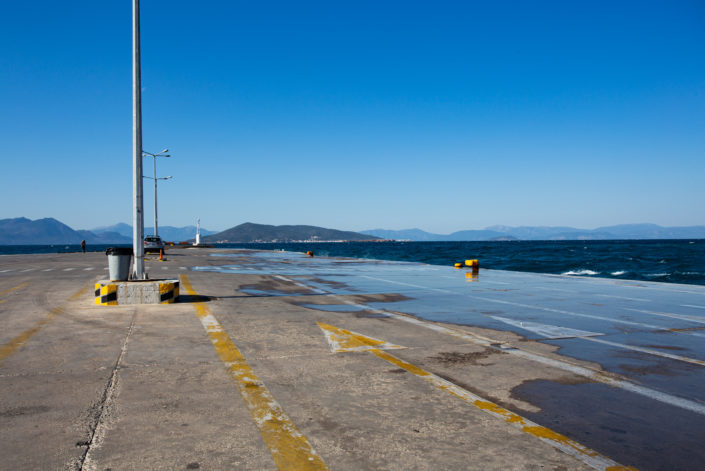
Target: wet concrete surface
x,y
658,318
628,428
614,365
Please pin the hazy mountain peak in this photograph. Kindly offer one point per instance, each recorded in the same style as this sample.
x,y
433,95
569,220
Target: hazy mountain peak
x,y
622,231
252,232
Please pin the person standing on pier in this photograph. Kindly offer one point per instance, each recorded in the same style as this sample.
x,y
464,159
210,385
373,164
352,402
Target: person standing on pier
x,y
83,246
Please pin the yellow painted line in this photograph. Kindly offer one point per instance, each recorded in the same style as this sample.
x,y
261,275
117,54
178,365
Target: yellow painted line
x,y
289,448
16,288
586,455
343,341
595,375
82,292
16,343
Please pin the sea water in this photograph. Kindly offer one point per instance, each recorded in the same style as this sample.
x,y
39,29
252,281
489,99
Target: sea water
x,y
671,261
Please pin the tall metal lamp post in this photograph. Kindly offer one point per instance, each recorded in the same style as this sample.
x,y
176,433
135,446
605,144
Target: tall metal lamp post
x,y
137,200
154,156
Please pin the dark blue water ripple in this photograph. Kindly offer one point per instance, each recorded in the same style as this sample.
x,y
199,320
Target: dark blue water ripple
x,y
671,261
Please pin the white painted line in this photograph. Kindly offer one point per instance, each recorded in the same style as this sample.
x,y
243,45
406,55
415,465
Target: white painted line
x,y
182,268
26,270
623,297
530,306
354,341
690,305
165,268
48,269
655,285
597,376
68,269
5,271
555,289
557,332
546,330
438,290
302,285
683,317
89,269
647,350
588,316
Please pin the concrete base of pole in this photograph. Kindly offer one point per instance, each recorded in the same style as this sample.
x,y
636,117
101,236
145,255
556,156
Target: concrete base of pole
x,y
111,293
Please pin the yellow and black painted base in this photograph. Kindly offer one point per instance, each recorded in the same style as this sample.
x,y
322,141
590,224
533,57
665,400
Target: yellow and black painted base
x,y
168,292
112,293
106,295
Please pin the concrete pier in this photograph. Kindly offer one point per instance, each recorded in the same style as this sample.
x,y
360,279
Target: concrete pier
x,y
275,360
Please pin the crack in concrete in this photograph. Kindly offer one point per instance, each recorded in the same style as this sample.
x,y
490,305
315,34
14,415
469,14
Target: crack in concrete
x,y
103,408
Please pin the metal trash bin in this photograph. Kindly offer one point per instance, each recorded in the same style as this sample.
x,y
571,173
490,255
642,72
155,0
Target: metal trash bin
x,y
119,262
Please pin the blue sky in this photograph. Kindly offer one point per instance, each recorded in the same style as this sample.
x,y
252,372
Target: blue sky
x,y
358,115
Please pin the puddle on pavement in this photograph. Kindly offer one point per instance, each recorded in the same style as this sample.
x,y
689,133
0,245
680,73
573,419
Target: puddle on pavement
x,y
465,358
448,295
619,424
263,293
663,374
625,426
332,307
359,312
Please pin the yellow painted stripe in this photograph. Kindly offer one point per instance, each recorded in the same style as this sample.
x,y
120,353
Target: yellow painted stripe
x,y
82,292
97,297
16,343
563,443
165,288
13,345
107,289
104,291
289,448
16,288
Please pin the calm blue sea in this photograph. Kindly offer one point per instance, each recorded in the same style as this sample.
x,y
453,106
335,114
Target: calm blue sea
x,y
672,261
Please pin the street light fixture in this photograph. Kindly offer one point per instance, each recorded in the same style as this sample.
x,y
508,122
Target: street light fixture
x,y
154,156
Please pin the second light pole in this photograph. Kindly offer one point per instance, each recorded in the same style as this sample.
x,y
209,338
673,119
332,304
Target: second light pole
x,y
158,154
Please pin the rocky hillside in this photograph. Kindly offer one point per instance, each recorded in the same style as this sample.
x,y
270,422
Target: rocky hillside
x,y
250,232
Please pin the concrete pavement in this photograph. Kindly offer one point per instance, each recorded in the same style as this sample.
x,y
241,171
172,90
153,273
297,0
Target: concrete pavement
x,y
242,374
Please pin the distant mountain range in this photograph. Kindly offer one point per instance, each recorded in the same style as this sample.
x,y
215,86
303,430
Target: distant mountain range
x,y
622,231
250,232
48,231
23,231
168,233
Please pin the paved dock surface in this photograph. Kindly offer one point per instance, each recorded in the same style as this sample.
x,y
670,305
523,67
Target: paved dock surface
x,y
276,360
